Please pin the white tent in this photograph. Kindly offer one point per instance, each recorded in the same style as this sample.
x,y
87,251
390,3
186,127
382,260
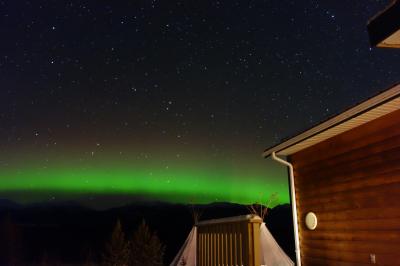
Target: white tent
x,y
271,252
187,254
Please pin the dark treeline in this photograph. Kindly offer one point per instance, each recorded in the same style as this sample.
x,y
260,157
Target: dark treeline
x,y
71,234
143,249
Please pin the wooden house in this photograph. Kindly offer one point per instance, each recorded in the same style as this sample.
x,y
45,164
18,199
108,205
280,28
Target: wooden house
x,y
345,185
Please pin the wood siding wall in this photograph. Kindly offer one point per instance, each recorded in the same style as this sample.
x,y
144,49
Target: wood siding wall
x,y
352,183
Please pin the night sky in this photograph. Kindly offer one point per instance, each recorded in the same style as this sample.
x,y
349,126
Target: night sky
x,y
110,101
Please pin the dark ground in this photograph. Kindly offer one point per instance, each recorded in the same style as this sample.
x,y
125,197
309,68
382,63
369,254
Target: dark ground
x,y
68,232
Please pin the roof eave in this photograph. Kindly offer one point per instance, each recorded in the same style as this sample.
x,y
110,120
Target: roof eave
x,y
352,112
384,25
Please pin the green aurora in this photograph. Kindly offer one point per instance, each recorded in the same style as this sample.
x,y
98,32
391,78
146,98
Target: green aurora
x,y
175,183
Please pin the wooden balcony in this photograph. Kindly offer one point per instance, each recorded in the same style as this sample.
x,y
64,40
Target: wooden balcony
x,y
229,241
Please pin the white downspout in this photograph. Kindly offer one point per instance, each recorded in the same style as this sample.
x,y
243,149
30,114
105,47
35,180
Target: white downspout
x,y
294,208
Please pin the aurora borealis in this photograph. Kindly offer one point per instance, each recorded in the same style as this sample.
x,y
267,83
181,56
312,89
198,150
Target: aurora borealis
x,y
172,101
87,174
182,184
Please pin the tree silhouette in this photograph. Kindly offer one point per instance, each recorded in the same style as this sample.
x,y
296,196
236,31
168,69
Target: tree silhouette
x,y
11,241
90,259
146,248
44,261
117,250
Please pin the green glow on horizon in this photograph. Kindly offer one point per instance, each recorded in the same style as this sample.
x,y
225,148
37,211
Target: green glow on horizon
x,y
175,184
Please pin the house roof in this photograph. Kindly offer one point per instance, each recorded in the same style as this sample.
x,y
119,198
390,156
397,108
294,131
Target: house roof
x,y
384,28
373,108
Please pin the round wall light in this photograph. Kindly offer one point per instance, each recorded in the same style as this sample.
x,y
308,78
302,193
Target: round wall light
x,y
311,221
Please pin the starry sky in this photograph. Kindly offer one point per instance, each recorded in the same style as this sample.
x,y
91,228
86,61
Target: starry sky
x,y
173,100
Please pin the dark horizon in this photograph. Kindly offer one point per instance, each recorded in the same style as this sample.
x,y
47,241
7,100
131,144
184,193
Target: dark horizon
x,y
69,233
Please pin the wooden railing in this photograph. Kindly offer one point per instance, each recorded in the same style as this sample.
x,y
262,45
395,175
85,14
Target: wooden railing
x,y
229,241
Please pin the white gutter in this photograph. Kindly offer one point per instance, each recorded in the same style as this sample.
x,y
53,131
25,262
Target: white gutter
x,y
294,208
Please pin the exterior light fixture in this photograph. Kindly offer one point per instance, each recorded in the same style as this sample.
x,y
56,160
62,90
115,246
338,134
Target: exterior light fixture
x,y
311,221
384,28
